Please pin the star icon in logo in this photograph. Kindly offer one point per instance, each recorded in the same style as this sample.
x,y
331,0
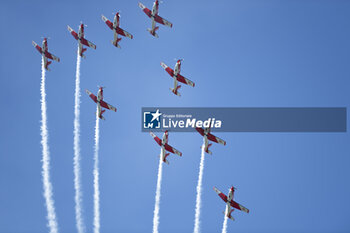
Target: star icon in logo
x,y
155,115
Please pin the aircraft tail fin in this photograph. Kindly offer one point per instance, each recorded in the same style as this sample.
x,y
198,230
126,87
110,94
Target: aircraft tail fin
x,y
47,65
229,215
165,160
82,52
101,117
115,43
207,149
175,91
153,33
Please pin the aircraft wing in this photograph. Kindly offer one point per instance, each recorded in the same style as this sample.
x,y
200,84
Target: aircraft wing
x,y
184,80
123,32
238,206
167,69
200,131
223,196
158,140
87,43
92,96
215,139
172,150
109,23
51,56
160,20
145,9
37,47
108,106
74,34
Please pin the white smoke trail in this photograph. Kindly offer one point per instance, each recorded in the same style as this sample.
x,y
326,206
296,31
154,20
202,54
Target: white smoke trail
x,y
224,225
157,203
96,178
50,204
199,193
76,159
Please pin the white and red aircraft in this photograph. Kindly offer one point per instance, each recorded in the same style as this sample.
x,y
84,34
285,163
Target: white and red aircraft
x,y
154,17
100,102
44,52
165,146
116,29
81,40
177,76
230,203
207,135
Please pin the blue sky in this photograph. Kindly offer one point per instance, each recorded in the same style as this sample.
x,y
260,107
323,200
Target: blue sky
x,y
239,53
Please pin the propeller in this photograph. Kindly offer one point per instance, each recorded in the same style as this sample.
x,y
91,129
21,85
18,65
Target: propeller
x,y
114,13
181,59
81,22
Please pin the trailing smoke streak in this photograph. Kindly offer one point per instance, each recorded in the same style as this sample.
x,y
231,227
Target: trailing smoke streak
x,y
50,204
157,198
76,159
224,225
96,178
199,193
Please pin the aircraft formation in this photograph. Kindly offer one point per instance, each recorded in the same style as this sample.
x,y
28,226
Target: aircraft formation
x,y
174,73
207,136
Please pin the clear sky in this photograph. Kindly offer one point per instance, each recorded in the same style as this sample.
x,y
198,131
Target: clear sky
x,y
248,53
